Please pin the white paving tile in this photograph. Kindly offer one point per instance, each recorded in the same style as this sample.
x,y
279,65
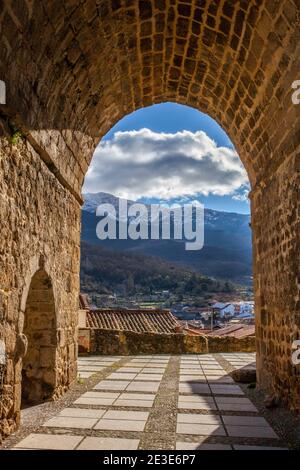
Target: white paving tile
x,y
108,443
71,422
49,441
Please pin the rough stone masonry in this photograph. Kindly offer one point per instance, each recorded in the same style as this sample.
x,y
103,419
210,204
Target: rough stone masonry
x,y
72,69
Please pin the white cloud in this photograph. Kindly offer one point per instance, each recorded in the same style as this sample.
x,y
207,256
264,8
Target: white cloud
x,y
242,194
144,163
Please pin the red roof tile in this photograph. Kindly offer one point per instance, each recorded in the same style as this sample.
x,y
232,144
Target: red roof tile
x,y
238,330
139,321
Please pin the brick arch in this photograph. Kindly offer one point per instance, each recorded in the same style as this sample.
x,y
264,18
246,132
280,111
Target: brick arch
x,y
98,61
72,69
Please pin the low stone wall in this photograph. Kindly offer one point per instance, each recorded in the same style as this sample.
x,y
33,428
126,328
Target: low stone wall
x,y
107,342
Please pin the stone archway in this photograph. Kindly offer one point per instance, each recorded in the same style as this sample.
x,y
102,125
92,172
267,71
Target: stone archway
x,y
39,362
97,61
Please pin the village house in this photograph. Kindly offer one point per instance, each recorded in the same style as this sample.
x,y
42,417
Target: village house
x,y
224,310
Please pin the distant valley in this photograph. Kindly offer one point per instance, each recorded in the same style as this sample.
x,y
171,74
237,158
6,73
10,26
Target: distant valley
x,y
227,247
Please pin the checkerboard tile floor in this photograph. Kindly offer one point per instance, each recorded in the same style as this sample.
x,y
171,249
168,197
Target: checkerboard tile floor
x,y
118,411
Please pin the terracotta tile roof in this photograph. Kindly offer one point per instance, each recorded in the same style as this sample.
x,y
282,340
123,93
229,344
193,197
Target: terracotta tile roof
x,y
247,330
238,330
139,321
191,331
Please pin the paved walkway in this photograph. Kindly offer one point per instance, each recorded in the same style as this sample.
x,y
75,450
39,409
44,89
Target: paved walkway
x,y
158,402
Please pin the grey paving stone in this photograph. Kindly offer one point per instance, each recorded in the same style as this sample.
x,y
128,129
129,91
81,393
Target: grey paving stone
x,y
245,421
191,372
198,418
201,446
201,429
137,366
246,447
154,366
235,404
162,356
139,356
191,366
196,406
127,415
235,400
215,373
120,425
84,375
251,431
206,365
144,356
137,396
189,361
226,389
121,376
136,403
106,358
212,380
99,359
202,356
236,407
240,363
157,364
100,394
143,387
196,398
149,377
94,401
192,378
139,361
211,367
108,443
112,385
194,388
82,413
49,441
208,361
70,422
104,365
130,369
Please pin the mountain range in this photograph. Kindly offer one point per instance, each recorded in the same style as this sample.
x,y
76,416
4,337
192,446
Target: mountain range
x,y
227,251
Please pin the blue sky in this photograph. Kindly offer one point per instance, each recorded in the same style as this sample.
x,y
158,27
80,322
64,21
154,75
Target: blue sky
x,y
171,117
170,153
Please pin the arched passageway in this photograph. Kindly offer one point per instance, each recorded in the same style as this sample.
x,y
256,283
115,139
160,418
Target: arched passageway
x,y
39,362
98,61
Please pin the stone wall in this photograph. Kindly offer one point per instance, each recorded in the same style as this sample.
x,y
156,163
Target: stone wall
x,y
40,227
276,243
96,341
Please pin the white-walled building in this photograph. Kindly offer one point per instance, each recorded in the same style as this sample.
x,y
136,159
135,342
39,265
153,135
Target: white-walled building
x,y
224,309
244,307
